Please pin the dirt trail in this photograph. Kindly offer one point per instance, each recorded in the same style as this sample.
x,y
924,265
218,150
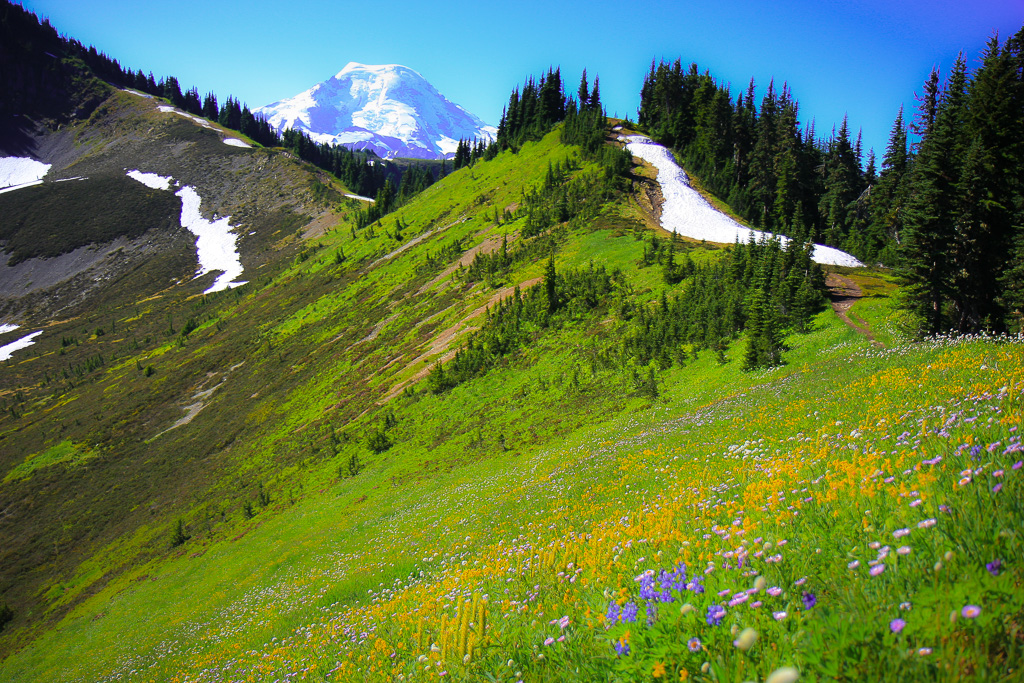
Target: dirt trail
x,y
843,293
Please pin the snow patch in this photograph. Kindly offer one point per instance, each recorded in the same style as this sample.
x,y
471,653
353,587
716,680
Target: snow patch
x,y
137,93
686,212
215,243
5,327
235,142
151,180
8,350
167,109
360,198
19,172
21,187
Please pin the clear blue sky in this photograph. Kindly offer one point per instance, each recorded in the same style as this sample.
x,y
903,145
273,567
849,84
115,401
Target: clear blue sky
x,y
859,57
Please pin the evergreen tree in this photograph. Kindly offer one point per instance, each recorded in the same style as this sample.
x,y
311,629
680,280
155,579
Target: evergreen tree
x,y
927,269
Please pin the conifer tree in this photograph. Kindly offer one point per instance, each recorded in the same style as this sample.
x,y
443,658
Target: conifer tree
x,y
927,270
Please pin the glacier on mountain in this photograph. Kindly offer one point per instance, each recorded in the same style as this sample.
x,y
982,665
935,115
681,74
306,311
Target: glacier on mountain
x,y
389,109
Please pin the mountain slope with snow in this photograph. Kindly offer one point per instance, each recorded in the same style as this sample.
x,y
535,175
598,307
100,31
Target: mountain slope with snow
x,y
687,213
389,109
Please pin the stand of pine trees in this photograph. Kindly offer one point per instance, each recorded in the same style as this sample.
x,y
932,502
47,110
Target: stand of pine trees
x,y
775,174
962,210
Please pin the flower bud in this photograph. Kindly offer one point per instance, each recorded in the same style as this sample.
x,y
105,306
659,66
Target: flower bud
x,y
746,640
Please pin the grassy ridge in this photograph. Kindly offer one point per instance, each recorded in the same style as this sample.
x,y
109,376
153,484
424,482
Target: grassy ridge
x,y
495,493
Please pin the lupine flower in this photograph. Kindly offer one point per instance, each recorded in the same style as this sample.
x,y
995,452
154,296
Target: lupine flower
x,y
810,600
613,613
647,587
694,644
629,611
621,647
652,613
896,625
714,615
994,567
970,611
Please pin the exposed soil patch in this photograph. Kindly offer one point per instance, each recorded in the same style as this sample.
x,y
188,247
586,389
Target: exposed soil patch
x,y
443,342
843,293
488,246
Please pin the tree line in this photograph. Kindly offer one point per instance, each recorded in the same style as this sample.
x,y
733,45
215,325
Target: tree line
x,y
946,208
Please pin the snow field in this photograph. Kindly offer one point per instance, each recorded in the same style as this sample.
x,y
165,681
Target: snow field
x,y
687,213
215,243
235,142
5,327
19,172
8,350
360,198
151,180
167,109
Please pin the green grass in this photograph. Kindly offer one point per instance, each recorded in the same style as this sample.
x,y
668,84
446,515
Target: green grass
x,y
547,484
63,453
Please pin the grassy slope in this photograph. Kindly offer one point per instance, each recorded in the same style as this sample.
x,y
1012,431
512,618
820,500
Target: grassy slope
x,y
343,573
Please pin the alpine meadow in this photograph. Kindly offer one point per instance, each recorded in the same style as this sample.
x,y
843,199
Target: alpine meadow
x,y
353,387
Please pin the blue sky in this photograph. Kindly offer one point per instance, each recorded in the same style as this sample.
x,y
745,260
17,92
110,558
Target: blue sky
x,y
863,58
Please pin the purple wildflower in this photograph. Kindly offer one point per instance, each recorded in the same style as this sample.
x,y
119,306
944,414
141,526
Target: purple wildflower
x,y
997,488
629,613
652,613
810,600
647,587
994,567
622,648
896,625
1017,465
613,613
715,614
679,577
696,585
975,451
970,611
693,644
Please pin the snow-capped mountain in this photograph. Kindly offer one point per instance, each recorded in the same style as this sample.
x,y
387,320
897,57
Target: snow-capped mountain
x,y
389,108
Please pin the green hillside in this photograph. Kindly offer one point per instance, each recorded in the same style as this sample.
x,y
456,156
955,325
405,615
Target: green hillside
x,y
302,550
511,430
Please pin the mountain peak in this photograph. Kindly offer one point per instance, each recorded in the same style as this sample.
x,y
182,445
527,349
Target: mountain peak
x,y
388,108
